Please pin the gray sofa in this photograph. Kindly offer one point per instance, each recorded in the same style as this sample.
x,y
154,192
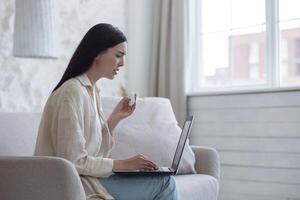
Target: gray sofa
x,y
23,176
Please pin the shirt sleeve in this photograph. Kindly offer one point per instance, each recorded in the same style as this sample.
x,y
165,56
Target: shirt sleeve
x,y
107,136
105,127
71,143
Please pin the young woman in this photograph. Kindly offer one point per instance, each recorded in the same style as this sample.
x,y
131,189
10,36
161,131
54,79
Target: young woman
x,y
73,125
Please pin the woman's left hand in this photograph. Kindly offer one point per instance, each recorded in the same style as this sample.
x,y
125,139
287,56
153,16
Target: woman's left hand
x,y
121,111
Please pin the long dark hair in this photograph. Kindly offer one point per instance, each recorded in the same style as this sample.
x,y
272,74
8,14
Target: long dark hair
x,y
97,40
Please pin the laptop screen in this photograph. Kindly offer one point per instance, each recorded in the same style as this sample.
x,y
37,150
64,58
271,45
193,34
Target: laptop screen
x,y
181,143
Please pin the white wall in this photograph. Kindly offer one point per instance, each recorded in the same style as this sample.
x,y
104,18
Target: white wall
x,y
257,136
26,83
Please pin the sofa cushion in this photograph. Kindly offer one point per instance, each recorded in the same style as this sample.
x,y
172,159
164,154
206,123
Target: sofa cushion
x,y
197,186
18,133
151,130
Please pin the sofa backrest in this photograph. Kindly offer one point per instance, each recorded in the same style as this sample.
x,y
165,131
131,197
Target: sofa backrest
x,y
18,132
152,131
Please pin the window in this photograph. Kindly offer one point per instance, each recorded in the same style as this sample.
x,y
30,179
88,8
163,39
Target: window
x,y
241,44
289,27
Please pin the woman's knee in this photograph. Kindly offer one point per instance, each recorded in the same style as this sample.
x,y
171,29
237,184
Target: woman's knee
x,y
166,182
171,182
170,190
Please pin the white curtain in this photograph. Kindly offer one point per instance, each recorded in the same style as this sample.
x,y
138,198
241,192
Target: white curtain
x,y
169,53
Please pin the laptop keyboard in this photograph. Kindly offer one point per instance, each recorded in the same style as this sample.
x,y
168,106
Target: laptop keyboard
x,y
149,170
161,169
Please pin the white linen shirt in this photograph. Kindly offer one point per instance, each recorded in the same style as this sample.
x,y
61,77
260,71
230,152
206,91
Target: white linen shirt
x,y
72,128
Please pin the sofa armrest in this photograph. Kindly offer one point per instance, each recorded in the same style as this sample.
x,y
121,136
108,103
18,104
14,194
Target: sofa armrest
x,y
39,178
207,161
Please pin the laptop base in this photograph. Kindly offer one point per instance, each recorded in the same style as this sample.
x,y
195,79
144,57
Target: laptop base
x,y
161,171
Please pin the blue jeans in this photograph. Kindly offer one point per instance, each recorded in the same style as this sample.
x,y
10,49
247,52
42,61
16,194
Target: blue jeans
x,y
141,187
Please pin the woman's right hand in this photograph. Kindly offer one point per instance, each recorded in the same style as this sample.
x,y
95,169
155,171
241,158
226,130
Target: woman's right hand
x,y
136,162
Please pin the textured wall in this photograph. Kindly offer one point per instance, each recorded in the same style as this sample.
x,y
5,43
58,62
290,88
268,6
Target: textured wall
x,y
26,83
257,137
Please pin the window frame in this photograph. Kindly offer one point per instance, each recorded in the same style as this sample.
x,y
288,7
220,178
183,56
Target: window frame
x,y
272,56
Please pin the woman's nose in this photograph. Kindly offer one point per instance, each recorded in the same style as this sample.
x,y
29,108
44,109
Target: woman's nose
x,y
121,62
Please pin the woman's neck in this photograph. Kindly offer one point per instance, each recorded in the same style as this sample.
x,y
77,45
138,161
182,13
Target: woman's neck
x,y
91,77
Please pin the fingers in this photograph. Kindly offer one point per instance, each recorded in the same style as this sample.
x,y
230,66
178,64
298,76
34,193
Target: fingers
x,y
133,106
146,163
125,100
148,166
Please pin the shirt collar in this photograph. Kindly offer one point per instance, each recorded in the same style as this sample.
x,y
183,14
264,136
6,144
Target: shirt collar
x,y
84,80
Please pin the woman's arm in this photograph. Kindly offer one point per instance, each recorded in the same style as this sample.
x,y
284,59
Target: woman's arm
x,y
112,122
71,143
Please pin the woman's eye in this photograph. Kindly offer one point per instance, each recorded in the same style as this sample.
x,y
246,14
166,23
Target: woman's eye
x,y
118,56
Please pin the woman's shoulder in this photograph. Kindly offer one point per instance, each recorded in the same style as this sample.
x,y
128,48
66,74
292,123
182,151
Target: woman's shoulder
x,y
72,83
70,89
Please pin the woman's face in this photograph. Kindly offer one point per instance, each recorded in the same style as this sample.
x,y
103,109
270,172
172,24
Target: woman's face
x,y
109,62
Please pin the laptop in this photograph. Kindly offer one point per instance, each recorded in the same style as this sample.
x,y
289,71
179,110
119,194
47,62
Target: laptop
x,y
176,160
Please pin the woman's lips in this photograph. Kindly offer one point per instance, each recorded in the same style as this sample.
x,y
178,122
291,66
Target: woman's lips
x,y
116,71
